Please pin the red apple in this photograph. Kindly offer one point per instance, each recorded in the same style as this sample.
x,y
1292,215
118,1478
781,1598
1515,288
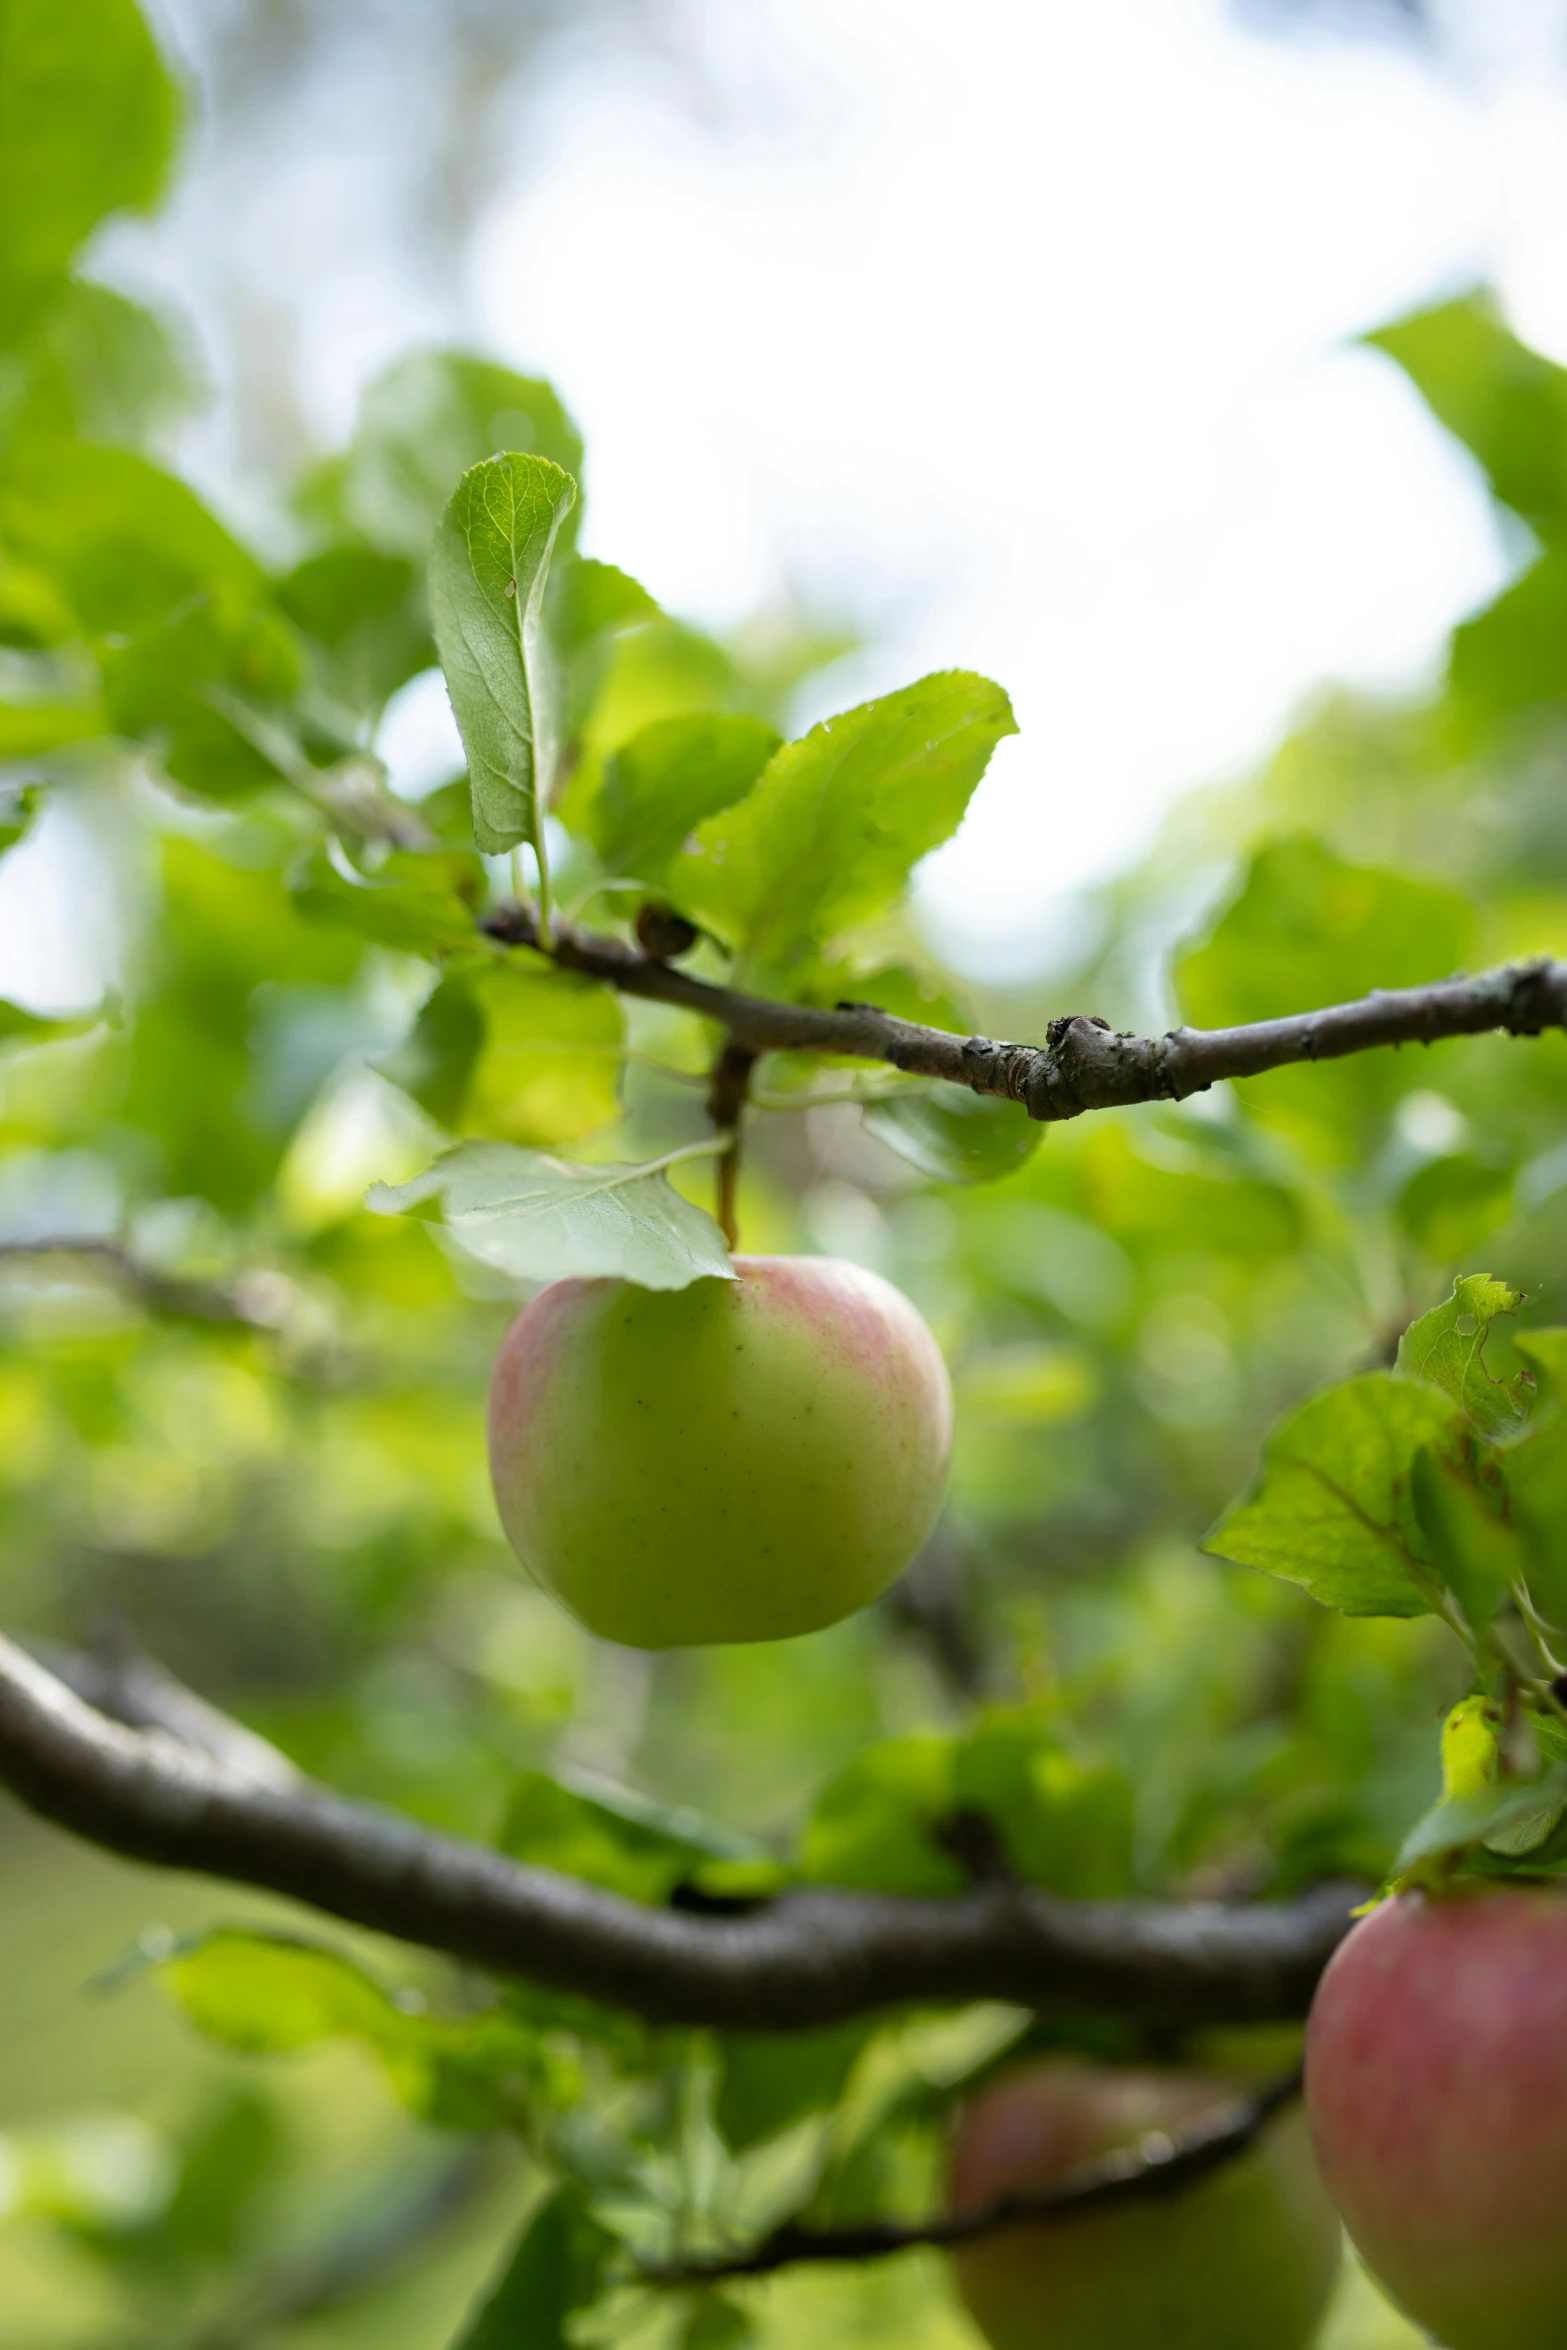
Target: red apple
x,y
1436,2085
739,1460
1242,2260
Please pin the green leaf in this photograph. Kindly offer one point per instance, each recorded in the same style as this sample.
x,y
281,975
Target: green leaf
x,y
516,1049
767,2080
18,1026
1062,1824
269,1994
607,1836
1536,1472
181,611
1476,1552
1508,659
127,543
487,580
556,2268
876,1824
659,786
237,2152
87,120
1058,1822
835,824
33,613
1506,403
540,1218
1480,1809
1332,1509
1446,1348
1307,928
954,1136
17,811
107,368
589,600
421,905
428,419
364,613
29,729
1452,1204
715,2322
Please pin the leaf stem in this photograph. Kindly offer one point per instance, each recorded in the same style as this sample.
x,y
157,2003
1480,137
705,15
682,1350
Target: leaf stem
x,y
546,908
726,1107
520,890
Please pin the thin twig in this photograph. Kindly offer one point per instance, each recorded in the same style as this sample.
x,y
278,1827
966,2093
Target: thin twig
x,y
256,1302
810,1957
1157,2166
1083,1064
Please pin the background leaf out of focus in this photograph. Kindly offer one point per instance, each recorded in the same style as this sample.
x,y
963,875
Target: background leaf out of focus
x,y
253,1440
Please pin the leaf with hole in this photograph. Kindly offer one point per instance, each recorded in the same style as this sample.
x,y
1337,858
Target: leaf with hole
x,y
1446,1348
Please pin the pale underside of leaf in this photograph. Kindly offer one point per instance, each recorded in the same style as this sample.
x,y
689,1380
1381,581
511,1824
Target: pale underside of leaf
x,y
540,1218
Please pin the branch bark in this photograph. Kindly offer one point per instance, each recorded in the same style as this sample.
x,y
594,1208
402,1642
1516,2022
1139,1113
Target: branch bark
x,y
810,1957
1083,1064
1157,2166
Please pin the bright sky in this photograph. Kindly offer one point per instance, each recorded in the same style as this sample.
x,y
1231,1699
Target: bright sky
x,y
1023,333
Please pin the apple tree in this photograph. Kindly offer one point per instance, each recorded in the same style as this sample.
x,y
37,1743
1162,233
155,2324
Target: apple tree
x,y
799,1901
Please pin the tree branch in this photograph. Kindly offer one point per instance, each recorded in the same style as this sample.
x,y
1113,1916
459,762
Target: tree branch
x,y
810,1957
1157,2166
119,1679
1084,1064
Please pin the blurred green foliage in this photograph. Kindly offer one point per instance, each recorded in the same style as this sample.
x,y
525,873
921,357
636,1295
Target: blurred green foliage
x,y
249,1425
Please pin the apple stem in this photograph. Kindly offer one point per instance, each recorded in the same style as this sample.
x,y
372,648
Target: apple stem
x,y
726,1100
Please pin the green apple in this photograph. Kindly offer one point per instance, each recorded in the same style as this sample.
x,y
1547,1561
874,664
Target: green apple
x,y
739,1460
1242,2260
1436,2087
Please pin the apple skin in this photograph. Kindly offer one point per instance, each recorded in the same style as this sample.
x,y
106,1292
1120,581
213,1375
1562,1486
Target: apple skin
x,y
1243,2260
739,1460
1436,2087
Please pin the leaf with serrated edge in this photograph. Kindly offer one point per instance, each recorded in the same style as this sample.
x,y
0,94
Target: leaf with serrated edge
x,y
1444,1353
837,821
488,574
542,1219
1332,1510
